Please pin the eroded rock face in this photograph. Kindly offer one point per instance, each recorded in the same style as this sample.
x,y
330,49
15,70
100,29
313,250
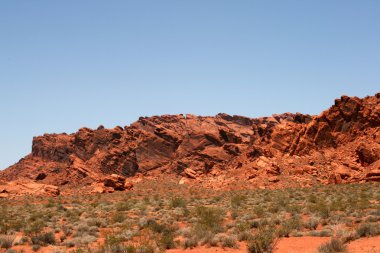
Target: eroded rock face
x,y
340,145
348,119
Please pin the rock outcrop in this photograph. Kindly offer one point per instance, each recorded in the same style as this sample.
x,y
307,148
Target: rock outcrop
x,y
26,187
340,145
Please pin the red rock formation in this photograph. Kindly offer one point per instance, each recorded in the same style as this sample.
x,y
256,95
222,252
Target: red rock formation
x,y
340,145
26,187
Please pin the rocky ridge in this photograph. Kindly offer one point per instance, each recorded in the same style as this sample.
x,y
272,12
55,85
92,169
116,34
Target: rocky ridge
x,y
340,145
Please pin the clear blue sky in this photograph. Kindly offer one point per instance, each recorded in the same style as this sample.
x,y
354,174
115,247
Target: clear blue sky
x,y
73,63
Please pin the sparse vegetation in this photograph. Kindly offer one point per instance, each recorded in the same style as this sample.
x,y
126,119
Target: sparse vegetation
x,y
179,216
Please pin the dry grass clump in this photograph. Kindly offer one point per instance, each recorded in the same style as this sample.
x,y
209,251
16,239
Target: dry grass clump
x,y
335,245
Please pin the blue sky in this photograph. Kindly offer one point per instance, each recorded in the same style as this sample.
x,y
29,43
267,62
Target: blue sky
x,y
74,63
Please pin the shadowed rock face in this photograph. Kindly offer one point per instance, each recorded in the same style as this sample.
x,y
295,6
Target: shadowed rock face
x,y
342,144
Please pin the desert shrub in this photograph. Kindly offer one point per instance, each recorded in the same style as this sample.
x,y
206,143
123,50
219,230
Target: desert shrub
x,y
255,223
213,242
185,232
205,237
263,241
6,241
114,244
372,218
119,249
113,239
322,209
288,226
228,242
243,225
335,245
130,249
145,249
36,247
128,234
83,230
312,198
245,236
43,239
118,217
321,233
209,219
375,212
67,230
100,223
50,203
167,240
123,206
237,200
22,241
293,208
78,241
259,211
190,243
154,226
73,215
34,227
347,236
234,214
178,202
368,229
311,224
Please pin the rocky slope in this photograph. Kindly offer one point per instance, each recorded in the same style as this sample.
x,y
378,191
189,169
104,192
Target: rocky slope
x,y
342,144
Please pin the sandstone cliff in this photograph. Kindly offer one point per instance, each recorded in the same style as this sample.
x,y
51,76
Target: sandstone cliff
x,y
342,144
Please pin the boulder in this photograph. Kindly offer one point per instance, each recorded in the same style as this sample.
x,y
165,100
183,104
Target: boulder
x,y
115,182
335,179
367,154
182,181
128,186
190,173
